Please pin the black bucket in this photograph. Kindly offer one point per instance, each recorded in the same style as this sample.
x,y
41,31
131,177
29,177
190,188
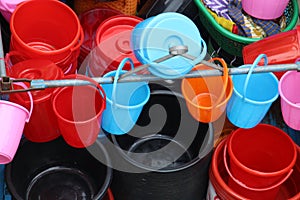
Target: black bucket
x,y
54,170
167,154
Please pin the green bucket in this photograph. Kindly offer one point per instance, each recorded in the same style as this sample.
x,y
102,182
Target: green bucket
x,y
230,42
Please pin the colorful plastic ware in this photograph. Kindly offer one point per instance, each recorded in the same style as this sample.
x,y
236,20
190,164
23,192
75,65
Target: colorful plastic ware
x,y
43,117
79,112
125,102
12,118
253,94
207,97
290,99
153,38
282,48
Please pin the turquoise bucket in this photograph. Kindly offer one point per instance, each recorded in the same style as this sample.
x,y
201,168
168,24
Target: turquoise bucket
x,y
152,39
252,96
124,102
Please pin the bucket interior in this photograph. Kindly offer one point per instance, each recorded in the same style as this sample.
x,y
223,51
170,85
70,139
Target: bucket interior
x,y
79,103
45,24
271,150
164,125
261,86
55,168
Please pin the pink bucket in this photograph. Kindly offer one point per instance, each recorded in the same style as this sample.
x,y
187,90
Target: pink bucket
x,y
290,99
264,9
13,118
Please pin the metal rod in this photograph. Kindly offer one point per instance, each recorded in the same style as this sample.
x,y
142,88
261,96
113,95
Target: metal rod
x,y
42,84
2,63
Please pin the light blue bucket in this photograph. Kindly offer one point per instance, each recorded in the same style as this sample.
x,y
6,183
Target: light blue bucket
x,y
152,38
252,96
124,102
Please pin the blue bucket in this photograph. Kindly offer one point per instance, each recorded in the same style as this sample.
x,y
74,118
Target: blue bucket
x,y
124,102
253,94
152,39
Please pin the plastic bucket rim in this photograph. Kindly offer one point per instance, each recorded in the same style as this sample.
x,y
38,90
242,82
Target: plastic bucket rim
x,y
220,103
7,158
69,47
282,94
255,172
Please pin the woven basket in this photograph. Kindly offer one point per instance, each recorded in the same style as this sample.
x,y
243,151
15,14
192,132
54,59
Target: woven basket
x,y
232,43
128,7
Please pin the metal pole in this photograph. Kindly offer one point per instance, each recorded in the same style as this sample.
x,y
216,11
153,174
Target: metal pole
x,y
2,63
42,84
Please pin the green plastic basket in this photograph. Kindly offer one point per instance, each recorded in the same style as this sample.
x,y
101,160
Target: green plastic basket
x,y
230,42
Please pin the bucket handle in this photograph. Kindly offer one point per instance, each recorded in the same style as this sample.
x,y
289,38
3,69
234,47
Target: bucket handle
x,y
30,98
225,79
243,184
255,63
117,75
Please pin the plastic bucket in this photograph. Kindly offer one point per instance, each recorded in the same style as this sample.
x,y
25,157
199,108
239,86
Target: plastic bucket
x,y
90,21
43,117
125,102
166,155
271,157
46,30
218,185
13,117
79,111
289,98
54,170
7,7
282,48
153,38
253,94
113,44
206,97
265,9
259,193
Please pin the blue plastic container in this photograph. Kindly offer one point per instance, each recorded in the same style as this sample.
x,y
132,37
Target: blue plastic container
x,y
153,38
253,94
124,102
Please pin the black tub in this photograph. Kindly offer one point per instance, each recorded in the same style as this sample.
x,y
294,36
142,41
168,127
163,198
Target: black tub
x,y
54,170
177,168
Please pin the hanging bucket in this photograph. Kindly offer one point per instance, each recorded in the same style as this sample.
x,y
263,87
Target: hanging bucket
x,y
43,117
55,170
290,99
218,185
125,102
79,111
206,97
47,30
113,45
270,158
258,193
90,21
253,94
166,155
13,118
152,39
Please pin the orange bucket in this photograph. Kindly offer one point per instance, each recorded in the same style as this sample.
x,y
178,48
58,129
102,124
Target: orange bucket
x,y
207,97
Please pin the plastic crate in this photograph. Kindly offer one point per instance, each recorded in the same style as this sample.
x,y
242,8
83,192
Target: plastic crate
x,y
233,43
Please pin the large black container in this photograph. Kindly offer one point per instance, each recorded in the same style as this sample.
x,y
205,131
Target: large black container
x,y
54,170
167,154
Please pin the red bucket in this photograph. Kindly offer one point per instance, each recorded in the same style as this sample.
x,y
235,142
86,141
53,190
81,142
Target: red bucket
x,y
42,126
219,189
90,21
113,39
261,156
282,48
46,30
79,111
